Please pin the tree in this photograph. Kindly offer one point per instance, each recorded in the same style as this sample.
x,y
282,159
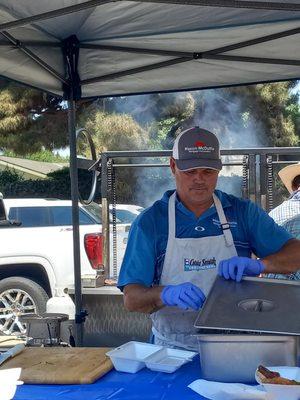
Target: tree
x,y
34,124
156,113
42,155
30,120
246,116
8,176
113,131
272,105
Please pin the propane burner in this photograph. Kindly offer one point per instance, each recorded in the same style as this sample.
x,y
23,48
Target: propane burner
x,y
44,329
256,305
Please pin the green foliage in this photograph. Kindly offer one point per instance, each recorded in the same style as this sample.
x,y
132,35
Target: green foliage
x,y
44,156
57,185
9,176
33,125
159,136
30,120
275,98
174,110
60,174
293,110
113,131
179,106
249,116
148,109
44,188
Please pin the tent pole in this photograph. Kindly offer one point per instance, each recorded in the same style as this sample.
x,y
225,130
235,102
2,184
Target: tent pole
x,y
72,92
80,315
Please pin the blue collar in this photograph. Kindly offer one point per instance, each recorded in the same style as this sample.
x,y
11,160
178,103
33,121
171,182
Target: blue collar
x,y
223,197
295,195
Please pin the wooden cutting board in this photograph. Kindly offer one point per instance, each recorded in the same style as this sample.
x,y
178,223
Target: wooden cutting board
x,y
61,365
7,342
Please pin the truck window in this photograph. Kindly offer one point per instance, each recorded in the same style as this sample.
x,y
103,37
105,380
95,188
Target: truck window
x,y
63,216
30,216
125,216
47,216
94,210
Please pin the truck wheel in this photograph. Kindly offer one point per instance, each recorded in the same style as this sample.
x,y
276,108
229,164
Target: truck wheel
x,y
19,296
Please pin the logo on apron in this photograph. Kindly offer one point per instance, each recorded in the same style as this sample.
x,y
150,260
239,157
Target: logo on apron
x,y
192,264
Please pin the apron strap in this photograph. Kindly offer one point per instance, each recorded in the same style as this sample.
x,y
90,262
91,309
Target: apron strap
x,y
223,221
171,215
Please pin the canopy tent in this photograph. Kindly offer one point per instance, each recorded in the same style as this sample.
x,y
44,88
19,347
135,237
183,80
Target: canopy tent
x,y
80,49
126,47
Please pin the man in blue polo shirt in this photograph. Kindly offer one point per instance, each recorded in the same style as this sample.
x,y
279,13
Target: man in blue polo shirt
x,y
177,246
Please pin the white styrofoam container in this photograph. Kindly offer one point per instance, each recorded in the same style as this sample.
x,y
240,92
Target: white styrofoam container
x,y
168,360
130,356
283,392
9,382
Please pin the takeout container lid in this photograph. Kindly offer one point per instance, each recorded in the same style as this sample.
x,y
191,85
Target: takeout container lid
x,y
281,392
133,356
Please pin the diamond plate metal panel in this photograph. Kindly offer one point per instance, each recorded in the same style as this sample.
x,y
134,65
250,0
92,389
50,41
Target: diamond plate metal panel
x,y
109,324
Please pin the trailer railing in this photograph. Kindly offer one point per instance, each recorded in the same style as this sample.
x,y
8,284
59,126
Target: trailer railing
x,y
258,171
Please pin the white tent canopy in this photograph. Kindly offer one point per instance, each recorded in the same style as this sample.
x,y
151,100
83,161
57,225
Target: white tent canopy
x,y
130,47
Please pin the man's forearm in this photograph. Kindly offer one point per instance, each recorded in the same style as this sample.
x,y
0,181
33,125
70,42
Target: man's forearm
x,y
142,299
285,261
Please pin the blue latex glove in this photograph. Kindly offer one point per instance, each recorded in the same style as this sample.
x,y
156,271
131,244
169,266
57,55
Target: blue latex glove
x,y
186,295
234,268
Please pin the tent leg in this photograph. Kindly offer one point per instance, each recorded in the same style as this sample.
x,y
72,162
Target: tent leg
x,y
80,314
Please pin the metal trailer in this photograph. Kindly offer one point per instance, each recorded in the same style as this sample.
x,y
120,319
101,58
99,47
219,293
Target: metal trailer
x,y
256,168
109,323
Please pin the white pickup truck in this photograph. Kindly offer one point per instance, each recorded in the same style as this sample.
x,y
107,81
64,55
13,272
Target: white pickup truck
x,y
37,255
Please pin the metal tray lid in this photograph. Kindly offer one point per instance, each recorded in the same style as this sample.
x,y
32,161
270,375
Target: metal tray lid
x,y
253,305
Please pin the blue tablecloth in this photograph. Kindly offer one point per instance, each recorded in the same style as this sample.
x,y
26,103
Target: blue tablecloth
x,y
144,385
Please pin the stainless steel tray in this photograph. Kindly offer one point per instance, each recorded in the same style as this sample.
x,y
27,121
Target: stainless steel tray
x,y
234,358
253,305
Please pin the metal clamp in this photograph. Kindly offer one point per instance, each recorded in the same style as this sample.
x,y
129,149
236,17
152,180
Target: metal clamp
x,y
225,226
79,318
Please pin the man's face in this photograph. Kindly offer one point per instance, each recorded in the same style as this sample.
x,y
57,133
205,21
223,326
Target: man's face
x,y
196,186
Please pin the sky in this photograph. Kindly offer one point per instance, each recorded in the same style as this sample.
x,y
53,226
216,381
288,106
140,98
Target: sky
x,y
297,90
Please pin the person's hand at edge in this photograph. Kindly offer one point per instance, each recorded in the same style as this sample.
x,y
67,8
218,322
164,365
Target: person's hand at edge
x,y
234,268
185,296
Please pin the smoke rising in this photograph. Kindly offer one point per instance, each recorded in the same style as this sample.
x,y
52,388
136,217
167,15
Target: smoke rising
x,y
225,116
216,110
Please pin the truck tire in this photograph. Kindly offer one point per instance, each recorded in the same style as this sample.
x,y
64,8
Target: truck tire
x,y
19,296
